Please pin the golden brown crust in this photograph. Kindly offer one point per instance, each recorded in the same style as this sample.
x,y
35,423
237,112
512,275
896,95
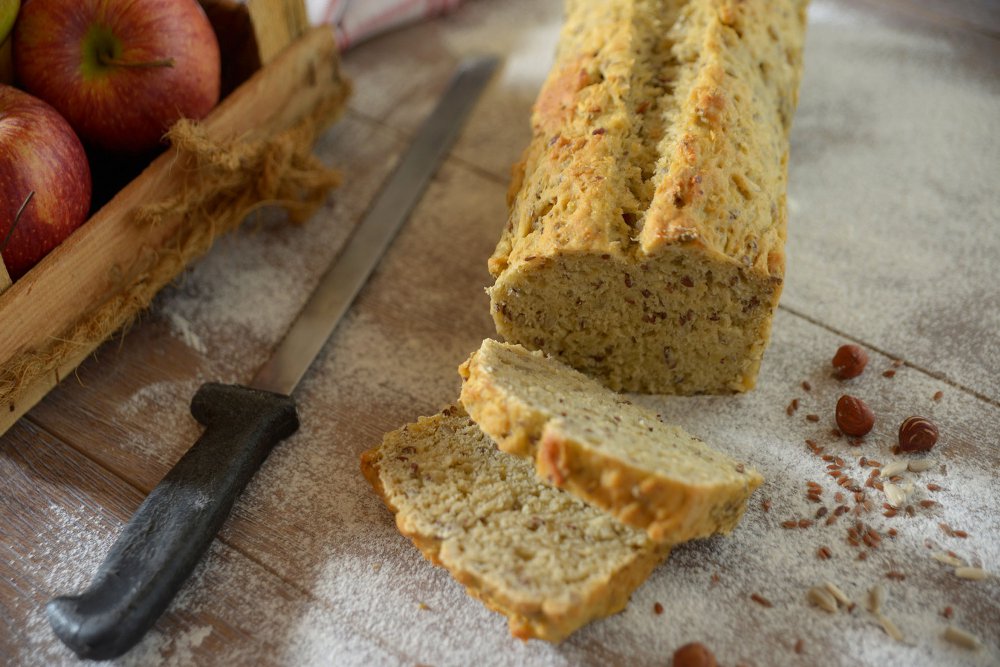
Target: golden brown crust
x,y
662,501
529,615
661,132
667,509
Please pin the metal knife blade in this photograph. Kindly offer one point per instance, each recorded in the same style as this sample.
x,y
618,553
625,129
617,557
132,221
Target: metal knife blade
x,y
348,275
171,530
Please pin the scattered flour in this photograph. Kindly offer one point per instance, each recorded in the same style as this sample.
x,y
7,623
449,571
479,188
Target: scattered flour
x,y
184,328
883,109
147,401
365,595
529,63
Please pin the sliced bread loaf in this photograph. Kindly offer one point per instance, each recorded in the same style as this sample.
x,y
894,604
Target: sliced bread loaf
x,y
645,243
538,555
594,443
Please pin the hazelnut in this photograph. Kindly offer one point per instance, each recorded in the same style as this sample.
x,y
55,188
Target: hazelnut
x,y
850,361
854,417
917,434
694,654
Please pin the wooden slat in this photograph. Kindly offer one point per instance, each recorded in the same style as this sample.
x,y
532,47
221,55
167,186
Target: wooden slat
x,y
277,23
884,242
59,513
400,91
309,518
158,428
95,261
977,15
395,358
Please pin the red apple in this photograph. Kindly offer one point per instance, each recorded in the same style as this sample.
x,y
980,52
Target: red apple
x,y
38,153
120,71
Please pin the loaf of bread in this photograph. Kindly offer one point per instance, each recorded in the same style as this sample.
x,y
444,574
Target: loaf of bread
x,y
594,443
543,558
645,244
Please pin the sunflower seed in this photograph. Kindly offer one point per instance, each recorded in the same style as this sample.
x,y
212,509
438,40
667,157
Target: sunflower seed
x,y
948,559
876,596
975,573
893,468
835,591
920,465
962,638
890,628
822,599
894,495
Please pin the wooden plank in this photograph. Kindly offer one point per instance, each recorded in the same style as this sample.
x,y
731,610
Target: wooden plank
x,y
277,23
219,323
70,279
309,516
883,239
59,513
977,15
400,92
866,185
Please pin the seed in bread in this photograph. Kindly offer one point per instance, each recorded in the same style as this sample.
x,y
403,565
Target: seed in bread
x,y
594,443
645,240
546,560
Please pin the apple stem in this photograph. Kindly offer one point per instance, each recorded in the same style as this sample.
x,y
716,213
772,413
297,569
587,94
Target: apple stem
x,y
17,219
111,61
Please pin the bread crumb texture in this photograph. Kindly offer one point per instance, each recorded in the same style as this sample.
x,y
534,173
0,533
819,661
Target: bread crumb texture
x,y
538,555
645,243
594,443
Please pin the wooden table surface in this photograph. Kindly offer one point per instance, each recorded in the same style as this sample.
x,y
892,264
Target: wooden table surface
x,y
893,245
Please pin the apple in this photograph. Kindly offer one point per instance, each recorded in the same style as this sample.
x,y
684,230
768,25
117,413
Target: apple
x,y
40,154
120,71
8,12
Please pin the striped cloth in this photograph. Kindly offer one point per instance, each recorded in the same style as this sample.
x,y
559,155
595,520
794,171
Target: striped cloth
x,y
357,20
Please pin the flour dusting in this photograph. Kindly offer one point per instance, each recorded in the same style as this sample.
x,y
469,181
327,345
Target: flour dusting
x,y
320,574
190,338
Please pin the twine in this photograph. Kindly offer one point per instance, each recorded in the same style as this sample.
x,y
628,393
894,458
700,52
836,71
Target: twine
x,y
224,182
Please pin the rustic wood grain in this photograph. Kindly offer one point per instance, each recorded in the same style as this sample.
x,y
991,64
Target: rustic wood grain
x,y
277,23
981,16
401,91
882,239
157,429
338,579
60,514
74,284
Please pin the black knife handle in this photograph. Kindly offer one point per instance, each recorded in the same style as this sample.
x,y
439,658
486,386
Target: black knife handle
x,y
174,526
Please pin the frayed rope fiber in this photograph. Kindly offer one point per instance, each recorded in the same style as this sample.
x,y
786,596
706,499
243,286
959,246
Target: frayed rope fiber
x,y
224,183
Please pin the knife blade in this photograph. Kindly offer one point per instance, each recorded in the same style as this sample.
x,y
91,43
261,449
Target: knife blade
x,y
175,524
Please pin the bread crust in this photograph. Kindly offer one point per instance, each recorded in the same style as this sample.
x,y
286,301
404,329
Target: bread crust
x,y
668,507
529,616
660,145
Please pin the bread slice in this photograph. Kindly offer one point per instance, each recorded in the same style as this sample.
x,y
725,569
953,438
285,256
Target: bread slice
x,y
594,443
541,557
645,243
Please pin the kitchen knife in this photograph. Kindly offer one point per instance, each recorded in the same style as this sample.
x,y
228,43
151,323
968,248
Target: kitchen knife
x,y
169,533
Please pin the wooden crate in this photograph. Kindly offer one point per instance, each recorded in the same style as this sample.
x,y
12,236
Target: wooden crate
x,y
281,77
